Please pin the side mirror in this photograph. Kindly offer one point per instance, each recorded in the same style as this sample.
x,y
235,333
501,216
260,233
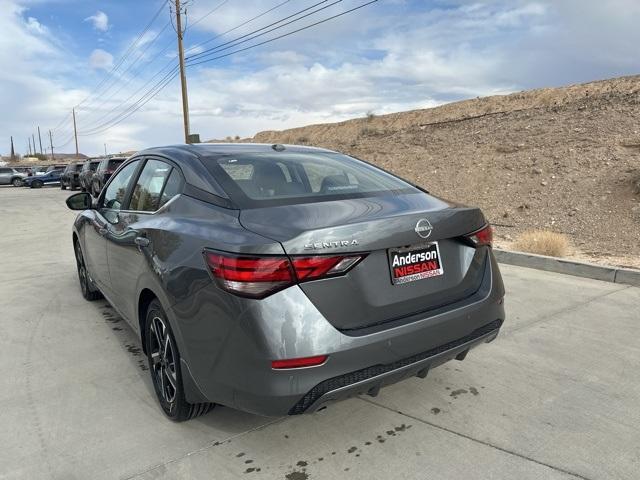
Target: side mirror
x,y
79,201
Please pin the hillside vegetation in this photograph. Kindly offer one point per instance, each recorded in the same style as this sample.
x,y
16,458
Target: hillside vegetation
x,y
560,159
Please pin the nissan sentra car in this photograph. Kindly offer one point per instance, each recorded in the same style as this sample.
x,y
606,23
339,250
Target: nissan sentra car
x,y
276,279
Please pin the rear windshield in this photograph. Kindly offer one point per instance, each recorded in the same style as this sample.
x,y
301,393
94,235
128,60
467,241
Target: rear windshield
x,y
283,178
77,167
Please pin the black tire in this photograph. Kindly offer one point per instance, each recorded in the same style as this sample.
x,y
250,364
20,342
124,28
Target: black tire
x,y
89,291
36,184
17,182
73,186
62,185
164,367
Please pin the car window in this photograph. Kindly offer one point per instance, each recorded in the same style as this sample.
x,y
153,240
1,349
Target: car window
x,y
256,179
146,194
5,170
172,187
117,188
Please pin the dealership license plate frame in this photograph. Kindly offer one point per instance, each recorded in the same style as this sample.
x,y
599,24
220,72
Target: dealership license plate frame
x,y
430,246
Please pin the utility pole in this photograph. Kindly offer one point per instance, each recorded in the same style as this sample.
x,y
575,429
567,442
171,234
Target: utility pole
x,y
29,140
75,132
105,149
34,143
13,152
51,141
183,78
40,139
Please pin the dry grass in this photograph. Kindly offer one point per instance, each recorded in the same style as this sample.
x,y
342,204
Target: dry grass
x,y
542,242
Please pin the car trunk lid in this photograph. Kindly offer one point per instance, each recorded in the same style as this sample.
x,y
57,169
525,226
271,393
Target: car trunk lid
x,y
378,226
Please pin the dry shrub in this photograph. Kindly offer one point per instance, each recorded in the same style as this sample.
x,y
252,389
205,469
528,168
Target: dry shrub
x,y
542,242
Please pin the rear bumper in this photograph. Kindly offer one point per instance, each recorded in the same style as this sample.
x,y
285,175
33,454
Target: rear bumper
x,y
227,358
371,379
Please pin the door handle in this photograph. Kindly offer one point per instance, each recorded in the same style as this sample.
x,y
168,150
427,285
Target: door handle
x,y
142,241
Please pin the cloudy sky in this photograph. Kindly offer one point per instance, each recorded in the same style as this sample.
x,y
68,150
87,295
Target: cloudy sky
x,y
389,56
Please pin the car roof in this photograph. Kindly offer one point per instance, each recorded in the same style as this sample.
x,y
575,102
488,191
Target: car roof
x,y
206,149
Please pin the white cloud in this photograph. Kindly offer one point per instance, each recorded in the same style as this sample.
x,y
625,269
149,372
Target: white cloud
x,y
101,60
36,27
100,21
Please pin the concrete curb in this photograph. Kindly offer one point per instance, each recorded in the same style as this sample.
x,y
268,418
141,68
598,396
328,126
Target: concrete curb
x,y
569,267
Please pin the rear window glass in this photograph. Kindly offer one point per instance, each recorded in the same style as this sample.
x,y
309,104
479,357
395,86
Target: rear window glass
x,y
260,179
77,167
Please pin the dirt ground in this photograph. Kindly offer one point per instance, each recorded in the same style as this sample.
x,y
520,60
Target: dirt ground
x,y
562,159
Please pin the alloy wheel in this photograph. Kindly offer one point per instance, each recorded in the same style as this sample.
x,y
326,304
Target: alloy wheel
x,y
82,270
163,361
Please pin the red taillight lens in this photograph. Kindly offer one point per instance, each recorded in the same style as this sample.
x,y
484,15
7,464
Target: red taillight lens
x,y
484,236
311,268
257,276
254,277
299,362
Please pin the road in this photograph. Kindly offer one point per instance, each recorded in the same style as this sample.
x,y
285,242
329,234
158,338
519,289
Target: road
x,y
556,396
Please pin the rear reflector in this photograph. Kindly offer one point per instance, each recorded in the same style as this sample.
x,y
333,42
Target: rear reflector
x,y
259,276
299,362
484,236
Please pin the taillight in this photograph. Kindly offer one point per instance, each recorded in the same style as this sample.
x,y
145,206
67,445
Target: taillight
x,y
299,362
259,276
484,236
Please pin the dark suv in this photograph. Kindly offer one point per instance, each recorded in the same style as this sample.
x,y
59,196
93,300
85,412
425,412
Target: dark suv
x,y
86,174
106,167
70,176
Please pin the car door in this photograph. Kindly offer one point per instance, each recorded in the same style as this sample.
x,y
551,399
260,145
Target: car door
x,y
107,214
129,245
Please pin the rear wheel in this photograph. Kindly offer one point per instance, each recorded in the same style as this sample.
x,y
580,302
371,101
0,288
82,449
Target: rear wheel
x,y
16,182
89,292
164,366
62,185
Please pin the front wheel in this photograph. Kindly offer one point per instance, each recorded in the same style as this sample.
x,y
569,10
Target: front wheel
x,y
62,185
164,366
37,184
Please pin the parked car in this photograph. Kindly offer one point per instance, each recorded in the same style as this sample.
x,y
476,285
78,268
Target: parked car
x,y
106,167
277,279
39,170
86,174
70,176
11,176
38,181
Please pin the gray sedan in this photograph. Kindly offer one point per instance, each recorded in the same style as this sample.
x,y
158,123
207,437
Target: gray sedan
x,y
277,279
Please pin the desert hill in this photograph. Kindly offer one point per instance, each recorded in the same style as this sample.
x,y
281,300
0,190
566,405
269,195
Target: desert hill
x,y
562,159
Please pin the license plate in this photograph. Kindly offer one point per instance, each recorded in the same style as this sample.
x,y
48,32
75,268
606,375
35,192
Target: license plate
x,y
411,264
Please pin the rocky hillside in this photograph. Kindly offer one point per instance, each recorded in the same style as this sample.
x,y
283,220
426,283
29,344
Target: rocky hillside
x,y
563,159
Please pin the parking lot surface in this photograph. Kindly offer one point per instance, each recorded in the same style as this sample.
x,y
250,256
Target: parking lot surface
x,y
556,396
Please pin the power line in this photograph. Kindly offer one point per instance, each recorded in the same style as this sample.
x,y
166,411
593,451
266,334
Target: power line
x,y
128,80
207,14
246,22
284,35
129,50
161,84
237,41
